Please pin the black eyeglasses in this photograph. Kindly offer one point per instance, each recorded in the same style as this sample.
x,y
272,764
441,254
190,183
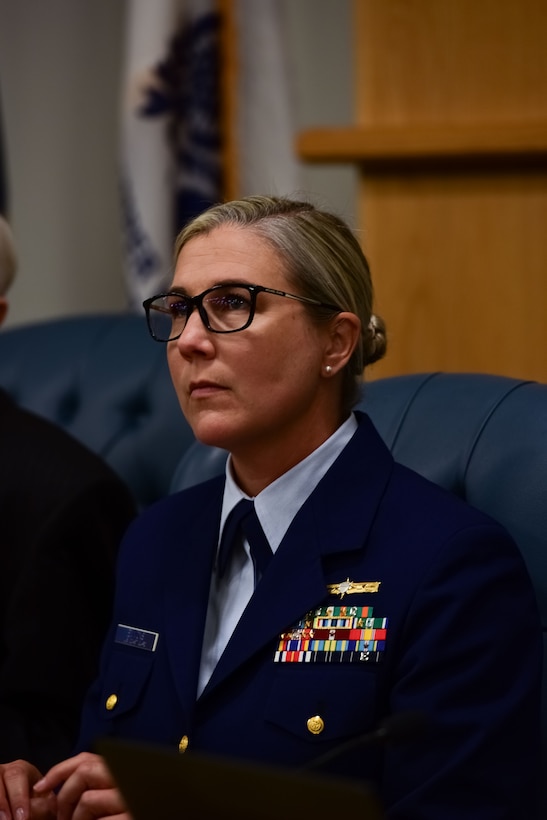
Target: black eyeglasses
x,y
222,309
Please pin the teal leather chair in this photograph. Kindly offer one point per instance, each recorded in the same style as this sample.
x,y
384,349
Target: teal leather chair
x,y
483,437
106,382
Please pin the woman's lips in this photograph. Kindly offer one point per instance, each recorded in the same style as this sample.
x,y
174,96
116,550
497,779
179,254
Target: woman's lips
x,y
203,389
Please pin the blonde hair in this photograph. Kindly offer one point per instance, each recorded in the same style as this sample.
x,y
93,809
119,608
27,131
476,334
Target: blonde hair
x,y
323,260
8,258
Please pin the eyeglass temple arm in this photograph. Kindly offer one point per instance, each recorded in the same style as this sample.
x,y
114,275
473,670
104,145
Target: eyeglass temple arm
x,y
159,308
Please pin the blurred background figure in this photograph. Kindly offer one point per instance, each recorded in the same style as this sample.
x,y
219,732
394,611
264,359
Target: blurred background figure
x,y
63,512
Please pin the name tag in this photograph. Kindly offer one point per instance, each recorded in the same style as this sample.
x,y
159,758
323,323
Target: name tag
x,y
139,638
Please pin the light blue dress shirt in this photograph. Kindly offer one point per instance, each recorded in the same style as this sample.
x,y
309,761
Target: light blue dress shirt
x,y
275,506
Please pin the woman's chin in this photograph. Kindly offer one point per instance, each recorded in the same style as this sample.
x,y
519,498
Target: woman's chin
x,y
213,431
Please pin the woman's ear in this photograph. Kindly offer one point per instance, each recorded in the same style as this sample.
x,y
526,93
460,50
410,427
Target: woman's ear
x,y
345,331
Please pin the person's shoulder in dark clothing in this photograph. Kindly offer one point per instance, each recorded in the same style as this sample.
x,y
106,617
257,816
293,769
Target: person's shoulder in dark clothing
x,y
63,512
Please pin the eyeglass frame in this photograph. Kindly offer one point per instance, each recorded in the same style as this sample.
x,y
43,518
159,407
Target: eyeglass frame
x,y
197,302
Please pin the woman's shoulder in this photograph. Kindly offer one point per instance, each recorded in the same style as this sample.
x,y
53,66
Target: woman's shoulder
x,y
174,513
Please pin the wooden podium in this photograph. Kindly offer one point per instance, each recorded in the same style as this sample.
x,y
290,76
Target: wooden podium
x,y
451,141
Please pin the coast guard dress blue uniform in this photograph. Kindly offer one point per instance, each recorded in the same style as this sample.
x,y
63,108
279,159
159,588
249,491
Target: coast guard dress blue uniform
x,y
386,595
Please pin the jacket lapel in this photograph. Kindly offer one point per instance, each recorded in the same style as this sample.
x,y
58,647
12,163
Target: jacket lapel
x,y
187,586
330,527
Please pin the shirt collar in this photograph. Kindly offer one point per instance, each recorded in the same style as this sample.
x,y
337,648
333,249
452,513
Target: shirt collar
x,y
278,503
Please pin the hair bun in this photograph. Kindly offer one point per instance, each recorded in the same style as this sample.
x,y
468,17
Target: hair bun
x,y
376,342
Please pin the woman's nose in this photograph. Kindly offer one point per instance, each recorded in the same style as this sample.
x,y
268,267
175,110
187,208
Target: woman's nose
x,y
195,335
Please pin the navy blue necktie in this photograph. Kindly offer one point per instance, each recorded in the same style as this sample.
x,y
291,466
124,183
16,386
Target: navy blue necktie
x,y
243,521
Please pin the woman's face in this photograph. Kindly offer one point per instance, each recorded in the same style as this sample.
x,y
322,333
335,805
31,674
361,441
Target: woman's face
x,y
261,389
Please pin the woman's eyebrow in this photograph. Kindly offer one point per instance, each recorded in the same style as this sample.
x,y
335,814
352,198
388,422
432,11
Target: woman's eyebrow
x,y
227,282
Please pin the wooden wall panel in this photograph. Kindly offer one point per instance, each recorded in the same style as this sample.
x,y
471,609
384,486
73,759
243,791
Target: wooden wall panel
x,y
451,138
459,253
450,60
460,267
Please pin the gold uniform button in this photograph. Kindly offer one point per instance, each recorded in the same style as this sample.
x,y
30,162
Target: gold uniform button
x,y
111,701
183,745
315,724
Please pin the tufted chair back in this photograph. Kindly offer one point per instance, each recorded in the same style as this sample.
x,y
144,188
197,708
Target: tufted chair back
x,y
482,437
104,380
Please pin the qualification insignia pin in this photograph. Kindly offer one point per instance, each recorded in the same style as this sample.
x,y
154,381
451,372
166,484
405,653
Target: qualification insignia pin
x,y
348,587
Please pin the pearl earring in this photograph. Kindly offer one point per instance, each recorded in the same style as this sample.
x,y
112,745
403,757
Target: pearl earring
x,y
328,370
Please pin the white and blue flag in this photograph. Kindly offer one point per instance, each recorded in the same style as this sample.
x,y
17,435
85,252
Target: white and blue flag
x,y
171,163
